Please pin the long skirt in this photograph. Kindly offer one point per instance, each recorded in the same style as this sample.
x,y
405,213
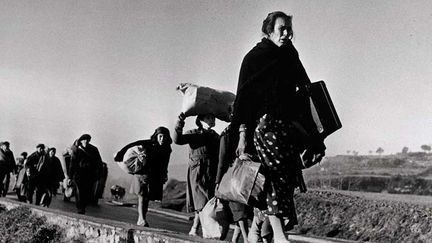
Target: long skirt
x,y
278,146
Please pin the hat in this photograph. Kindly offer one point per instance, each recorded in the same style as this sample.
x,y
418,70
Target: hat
x,y
41,145
84,137
4,143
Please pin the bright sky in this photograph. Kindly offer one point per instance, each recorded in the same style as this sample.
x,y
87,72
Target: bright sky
x,y
110,68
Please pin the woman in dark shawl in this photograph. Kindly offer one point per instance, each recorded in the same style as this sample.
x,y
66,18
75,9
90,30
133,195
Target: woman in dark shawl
x,y
272,115
148,184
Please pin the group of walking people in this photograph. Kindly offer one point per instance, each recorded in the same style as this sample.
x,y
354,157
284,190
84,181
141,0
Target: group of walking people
x,y
38,176
271,123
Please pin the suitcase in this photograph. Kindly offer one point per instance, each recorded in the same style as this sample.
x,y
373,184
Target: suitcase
x,y
323,110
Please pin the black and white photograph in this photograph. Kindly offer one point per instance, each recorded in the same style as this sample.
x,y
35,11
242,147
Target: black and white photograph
x,y
215,121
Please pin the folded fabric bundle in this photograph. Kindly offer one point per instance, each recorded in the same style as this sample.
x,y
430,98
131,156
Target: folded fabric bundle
x,y
134,160
204,100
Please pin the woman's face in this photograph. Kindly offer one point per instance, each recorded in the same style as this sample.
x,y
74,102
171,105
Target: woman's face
x,y
209,121
160,139
84,143
280,34
52,153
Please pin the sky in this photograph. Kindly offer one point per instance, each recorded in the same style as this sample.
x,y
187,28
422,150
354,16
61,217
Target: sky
x,y
110,68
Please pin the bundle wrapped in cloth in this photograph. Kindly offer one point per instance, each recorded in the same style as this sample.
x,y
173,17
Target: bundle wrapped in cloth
x,y
204,100
134,160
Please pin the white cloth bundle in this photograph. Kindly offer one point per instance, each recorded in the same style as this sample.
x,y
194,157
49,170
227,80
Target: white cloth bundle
x,y
204,100
134,160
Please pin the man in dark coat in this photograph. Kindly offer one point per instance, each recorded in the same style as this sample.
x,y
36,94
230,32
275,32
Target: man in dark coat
x,y
84,170
57,170
48,174
7,165
34,162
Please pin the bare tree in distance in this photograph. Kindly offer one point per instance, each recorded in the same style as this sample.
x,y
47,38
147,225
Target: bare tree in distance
x,y
380,151
426,148
405,150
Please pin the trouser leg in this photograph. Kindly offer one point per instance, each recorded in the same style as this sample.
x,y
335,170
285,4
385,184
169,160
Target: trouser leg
x,y
30,192
83,193
6,184
39,193
2,178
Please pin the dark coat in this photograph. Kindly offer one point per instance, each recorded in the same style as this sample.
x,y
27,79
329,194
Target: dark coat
x,y
156,172
49,171
227,154
269,77
7,161
32,162
86,163
203,162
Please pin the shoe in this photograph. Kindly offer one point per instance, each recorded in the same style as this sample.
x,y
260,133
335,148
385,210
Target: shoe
x,y
143,223
193,232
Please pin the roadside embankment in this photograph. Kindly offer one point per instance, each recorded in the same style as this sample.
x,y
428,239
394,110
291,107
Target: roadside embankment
x,y
333,214
83,228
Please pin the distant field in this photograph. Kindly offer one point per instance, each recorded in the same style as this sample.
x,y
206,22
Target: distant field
x,y
402,173
403,198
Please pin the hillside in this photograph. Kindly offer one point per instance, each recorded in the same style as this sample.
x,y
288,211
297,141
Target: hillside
x,y
407,174
364,218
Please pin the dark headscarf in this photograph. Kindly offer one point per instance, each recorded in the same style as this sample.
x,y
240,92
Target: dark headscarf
x,y
164,131
84,137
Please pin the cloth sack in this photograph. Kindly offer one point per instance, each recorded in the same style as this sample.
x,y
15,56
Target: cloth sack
x,y
69,188
134,160
203,100
214,219
20,178
244,183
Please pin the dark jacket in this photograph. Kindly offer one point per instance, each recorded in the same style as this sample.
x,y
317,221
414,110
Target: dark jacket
x,y
7,161
86,163
157,165
57,170
269,77
33,161
49,171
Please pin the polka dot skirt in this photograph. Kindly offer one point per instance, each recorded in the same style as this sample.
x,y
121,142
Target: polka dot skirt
x,y
275,143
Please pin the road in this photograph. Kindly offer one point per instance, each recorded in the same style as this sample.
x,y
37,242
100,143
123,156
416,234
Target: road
x,y
157,219
129,214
